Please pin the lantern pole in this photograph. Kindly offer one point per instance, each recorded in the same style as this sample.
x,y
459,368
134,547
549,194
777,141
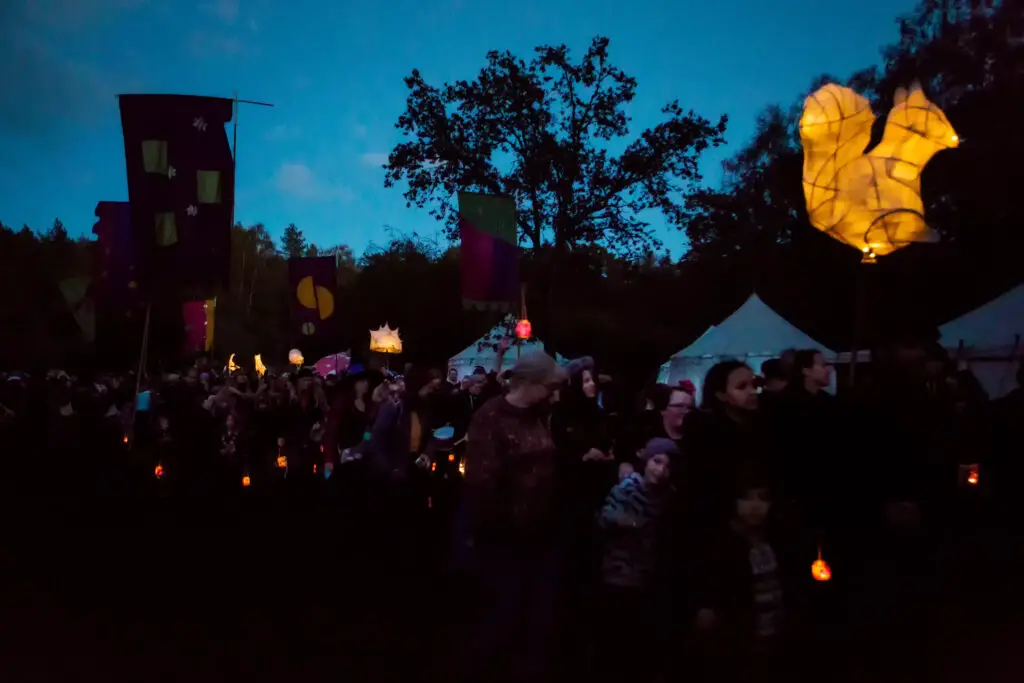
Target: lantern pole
x,y
522,316
143,353
860,304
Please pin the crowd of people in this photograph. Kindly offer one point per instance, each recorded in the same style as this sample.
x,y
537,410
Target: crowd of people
x,y
640,534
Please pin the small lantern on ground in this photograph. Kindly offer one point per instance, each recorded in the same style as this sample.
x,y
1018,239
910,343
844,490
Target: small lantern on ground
x,y
820,569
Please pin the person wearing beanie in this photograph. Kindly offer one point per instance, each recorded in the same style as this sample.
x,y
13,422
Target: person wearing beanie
x,y
634,524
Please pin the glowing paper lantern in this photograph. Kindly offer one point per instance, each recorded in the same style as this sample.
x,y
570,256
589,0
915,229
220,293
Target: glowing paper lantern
x,y
261,369
870,200
232,365
462,468
158,471
246,480
524,330
820,569
295,357
385,340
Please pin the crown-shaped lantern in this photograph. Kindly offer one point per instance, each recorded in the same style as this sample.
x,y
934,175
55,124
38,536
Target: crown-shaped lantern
x,y
385,340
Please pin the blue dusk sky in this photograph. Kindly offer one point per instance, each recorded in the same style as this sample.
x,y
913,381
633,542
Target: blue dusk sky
x,y
334,71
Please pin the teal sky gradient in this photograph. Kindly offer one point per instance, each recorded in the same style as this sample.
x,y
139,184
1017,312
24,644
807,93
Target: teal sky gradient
x,y
334,72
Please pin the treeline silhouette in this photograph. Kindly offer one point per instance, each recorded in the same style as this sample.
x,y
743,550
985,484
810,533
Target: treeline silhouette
x,y
604,288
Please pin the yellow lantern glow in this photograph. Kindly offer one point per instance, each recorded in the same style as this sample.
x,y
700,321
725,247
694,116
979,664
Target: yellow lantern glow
x,y
232,366
385,340
870,200
261,369
246,480
282,460
295,357
462,467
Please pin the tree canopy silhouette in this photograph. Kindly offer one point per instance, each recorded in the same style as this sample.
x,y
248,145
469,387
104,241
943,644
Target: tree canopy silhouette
x,y
542,132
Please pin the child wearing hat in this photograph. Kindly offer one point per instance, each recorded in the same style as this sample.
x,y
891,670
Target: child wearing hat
x,y
633,522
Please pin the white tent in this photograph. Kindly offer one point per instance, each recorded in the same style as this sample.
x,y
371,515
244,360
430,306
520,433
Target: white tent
x,y
753,333
483,352
988,339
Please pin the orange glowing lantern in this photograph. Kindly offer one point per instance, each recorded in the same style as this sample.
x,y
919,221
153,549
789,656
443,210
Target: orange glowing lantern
x,y
125,438
972,475
451,457
246,480
282,460
462,468
820,569
158,471
524,330
433,466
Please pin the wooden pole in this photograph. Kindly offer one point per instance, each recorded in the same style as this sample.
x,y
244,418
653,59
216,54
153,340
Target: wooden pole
x,y
234,155
860,305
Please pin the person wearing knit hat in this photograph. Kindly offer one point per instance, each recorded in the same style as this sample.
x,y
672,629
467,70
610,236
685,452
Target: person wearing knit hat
x,y
660,446
634,516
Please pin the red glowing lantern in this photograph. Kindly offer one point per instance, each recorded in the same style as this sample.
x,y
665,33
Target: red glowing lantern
x,y
524,330
158,471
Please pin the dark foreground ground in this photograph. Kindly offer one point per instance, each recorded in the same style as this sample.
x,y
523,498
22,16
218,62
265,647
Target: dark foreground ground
x,y
269,590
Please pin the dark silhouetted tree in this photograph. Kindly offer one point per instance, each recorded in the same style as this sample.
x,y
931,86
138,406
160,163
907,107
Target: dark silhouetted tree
x,y
57,233
293,242
540,131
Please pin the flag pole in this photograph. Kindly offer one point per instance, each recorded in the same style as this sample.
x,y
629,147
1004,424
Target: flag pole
x,y
234,152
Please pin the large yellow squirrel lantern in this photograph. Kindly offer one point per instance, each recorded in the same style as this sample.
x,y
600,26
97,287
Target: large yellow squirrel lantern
x,y
870,200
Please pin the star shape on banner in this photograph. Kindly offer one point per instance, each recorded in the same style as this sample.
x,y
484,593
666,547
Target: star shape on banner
x,y
192,210
199,123
171,171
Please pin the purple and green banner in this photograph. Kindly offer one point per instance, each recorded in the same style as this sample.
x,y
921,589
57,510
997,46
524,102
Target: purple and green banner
x,y
489,251
181,185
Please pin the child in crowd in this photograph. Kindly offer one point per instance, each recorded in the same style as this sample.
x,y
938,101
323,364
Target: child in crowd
x,y
633,523
742,583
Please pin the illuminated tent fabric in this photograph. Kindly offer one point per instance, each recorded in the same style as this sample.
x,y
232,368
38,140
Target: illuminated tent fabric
x,y
483,352
753,333
988,339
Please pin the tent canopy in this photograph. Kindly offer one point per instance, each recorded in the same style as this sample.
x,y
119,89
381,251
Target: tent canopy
x,y
753,333
994,328
990,337
754,330
483,352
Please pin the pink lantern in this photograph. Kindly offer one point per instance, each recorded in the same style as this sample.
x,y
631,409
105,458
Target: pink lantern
x,y
524,330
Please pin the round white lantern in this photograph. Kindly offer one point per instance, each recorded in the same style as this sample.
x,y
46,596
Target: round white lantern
x,y
295,357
